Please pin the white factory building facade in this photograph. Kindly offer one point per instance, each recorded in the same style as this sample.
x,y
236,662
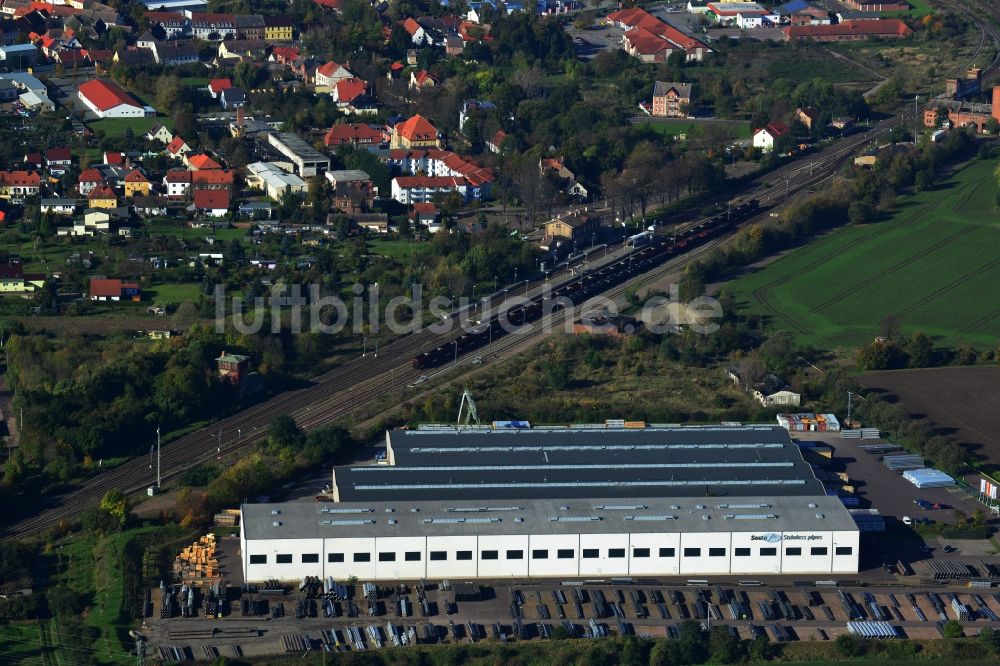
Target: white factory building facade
x,y
496,503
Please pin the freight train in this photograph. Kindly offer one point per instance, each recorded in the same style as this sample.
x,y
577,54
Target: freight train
x,y
580,288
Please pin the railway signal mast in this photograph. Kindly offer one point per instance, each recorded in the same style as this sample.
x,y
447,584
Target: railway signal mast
x,y
154,489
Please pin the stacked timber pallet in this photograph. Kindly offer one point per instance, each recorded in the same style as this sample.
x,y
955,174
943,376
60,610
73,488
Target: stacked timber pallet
x,y
197,564
228,518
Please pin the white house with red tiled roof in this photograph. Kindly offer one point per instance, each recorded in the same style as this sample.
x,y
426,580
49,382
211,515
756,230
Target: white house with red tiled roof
x,y
422,79
178,147
107,99
416,32
765,137
328,74
347,91
88,180
216,86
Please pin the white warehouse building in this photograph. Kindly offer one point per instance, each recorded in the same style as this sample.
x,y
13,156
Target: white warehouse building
x,y
500,502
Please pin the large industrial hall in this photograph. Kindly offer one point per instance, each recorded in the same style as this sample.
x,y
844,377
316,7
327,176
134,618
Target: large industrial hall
x,y
496,502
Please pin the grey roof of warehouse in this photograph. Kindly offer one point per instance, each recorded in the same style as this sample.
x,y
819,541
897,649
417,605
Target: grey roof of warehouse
x,y
305,520
539,463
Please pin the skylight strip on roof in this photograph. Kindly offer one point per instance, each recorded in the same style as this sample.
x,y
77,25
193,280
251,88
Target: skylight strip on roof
x,y
387,469
584,484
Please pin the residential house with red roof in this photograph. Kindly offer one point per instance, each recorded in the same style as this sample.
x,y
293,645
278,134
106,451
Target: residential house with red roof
x,y
415,132
88,180
214,203
201,162
105,289
102,196
178,147
495,143
348,91
424,214
416,31
137,184
18,184
216,86
422,79
328,74
356,134
765,137
177,183
284,55
58,161
107,99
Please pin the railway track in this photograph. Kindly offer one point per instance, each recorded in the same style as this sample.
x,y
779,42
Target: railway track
x,y
364,380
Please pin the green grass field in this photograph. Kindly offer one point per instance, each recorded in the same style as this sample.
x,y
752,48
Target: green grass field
x,y
672,126
399,250
932,263
162,294
117,126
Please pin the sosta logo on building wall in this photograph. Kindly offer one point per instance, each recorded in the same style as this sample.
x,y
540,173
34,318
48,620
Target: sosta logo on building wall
x,y
775,538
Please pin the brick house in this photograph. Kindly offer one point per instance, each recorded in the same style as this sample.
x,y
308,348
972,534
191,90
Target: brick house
x,y
670,99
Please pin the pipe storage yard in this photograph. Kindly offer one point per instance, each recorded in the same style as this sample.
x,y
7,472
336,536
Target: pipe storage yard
x,y
483,502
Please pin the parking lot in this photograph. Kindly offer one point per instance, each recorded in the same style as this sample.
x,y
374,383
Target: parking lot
x,y
913,602
259,622
893,496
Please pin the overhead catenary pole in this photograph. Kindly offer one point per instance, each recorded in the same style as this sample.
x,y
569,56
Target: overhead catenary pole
x,y
157,457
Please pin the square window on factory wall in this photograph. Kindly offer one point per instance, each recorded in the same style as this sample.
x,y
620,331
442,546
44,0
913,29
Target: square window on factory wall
x,y
640,552
362,557
439,555
818,550
463,555
668,552
793,552
283,559
565,554
492,555
844,550
387,557
716,552
768,552
539,554
310,558
616,552
591,553
514,555
412,556
741,552
692,552
258,559
334,557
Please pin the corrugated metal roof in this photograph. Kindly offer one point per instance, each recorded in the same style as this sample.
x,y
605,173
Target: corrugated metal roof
x,y
303,520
